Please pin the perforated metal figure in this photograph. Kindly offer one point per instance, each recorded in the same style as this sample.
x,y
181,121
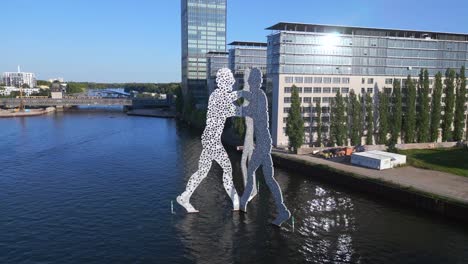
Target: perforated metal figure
x,y
261,156
220,107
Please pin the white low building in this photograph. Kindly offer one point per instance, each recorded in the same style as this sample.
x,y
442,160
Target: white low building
x,y
26,91
379,160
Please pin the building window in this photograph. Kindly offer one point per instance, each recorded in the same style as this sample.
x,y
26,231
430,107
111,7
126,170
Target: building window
x,y
287,100
363,81
336,80
388,90
285,119
288,79
307,89
318,80
307,100
363,90
344,90
286,110
308,79
370,81
327,80
317,89
345,80
388,81
299,79
326,90
287,89
299,89
326,100
317,99
370,90
335,90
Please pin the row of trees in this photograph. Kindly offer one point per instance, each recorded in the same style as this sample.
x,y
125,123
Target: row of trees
x,y
410,114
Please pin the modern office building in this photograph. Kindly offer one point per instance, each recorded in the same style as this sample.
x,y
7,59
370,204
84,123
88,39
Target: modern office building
x,y
17,79
244,55
203,30
321,60
215,61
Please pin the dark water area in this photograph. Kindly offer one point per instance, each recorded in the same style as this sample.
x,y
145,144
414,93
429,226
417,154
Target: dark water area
x,y
94,186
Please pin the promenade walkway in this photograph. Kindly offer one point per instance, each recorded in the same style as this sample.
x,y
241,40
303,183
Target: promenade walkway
x,y
439,183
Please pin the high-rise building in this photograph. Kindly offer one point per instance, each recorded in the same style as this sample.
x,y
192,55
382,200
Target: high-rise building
x,y
215,61
321,60
203,30
17,79
244,55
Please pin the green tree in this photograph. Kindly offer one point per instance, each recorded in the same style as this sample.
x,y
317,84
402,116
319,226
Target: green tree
x,y
355,117
424,108
25,85
459,120
318,108
295,123
383,117
397,111
436,107
410,124
338,122
449,105
369,119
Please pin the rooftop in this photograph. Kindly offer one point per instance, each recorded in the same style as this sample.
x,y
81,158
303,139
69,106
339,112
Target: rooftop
x,y
248,44
365,31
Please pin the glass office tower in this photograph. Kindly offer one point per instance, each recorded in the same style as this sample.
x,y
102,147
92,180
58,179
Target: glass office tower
x,y
244,55
203,30
322,59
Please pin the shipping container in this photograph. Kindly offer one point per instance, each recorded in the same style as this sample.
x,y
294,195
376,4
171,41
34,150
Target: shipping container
x,y
397,159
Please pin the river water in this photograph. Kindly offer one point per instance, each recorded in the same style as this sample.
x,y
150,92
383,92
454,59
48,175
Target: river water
x,y
96,186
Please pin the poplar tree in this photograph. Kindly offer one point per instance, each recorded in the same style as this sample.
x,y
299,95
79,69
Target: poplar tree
x,y
459,121
318,108
423,115
383,117
436,107
294,122
410,124
449,105
337,128
397,111
355,116
369,119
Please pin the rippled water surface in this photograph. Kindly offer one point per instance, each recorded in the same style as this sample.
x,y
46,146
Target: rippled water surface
x,y
96,187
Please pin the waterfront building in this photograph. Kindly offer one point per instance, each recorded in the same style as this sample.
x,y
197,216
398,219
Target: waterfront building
x,y
203,30
17,79
244,55
215,61
321,60
26,91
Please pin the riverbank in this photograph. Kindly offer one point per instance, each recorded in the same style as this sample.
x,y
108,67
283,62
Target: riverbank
x,y
26,113
434,191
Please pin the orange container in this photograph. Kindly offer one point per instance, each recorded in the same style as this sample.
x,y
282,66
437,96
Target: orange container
x,y
349,151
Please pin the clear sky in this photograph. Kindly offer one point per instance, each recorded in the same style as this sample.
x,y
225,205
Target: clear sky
x,y
139,40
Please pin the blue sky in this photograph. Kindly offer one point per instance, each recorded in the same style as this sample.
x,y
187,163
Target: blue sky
x,y
139,40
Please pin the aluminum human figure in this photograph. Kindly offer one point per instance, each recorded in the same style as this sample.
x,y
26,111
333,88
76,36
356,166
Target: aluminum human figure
x,y
220,107
248,140
261,156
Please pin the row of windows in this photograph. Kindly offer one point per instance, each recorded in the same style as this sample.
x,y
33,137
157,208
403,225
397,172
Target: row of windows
x,y
317,90
308,100
299,79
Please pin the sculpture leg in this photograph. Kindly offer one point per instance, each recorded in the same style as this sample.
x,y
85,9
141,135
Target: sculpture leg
x,y
253,166
225,163
268,172
204,166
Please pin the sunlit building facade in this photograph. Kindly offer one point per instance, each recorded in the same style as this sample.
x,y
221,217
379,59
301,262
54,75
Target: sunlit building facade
x,y
321,60
17,79
203,30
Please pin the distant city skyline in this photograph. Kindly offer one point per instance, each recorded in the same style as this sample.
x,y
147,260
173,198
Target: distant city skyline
x,y
139,41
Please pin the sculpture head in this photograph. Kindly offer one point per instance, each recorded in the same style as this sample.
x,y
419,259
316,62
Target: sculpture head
x,y
225,79
255,79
